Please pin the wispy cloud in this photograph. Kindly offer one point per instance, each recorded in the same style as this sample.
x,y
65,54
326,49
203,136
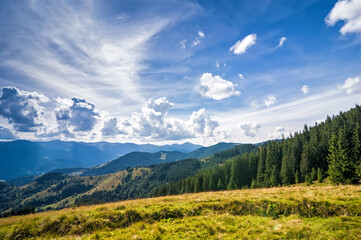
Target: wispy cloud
x,y
69,51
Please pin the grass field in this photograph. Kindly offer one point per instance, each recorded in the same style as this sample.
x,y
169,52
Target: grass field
x,y
319,211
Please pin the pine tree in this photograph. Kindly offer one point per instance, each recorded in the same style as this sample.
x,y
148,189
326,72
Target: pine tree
x,y
219,185
261,166
232,184
297,177
287,173
356,150
313,174
342,169
305,165
319,175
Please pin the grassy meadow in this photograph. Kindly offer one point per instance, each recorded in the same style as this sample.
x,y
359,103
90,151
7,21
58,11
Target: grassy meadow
x,y
319,211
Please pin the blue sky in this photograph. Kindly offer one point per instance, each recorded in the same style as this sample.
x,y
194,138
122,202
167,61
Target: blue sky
x,y
175,71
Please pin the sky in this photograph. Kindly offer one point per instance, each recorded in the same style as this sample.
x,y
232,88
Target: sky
x,y
170,71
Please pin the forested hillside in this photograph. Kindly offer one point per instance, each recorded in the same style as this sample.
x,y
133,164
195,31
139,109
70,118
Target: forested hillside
x,y
55,190
331,148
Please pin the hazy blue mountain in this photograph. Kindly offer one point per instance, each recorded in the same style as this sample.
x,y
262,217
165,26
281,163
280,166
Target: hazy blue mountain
x,y
204,152
137,159
24,158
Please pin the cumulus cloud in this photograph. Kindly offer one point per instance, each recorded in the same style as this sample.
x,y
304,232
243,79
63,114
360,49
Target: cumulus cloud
x,y
152,122
282,40
201,124
351,85
110,127
249,129
277,133
22,109
348,11
305,89
73,117
77,113
6,134
270,100
241,46
217,88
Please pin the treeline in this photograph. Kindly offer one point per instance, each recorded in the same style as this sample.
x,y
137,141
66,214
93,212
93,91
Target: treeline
x,y
331,149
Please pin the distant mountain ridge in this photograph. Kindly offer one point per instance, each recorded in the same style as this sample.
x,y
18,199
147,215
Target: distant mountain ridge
x,y
141,159
23,158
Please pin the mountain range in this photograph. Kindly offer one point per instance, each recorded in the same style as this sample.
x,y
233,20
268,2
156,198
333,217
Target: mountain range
x,y
24,158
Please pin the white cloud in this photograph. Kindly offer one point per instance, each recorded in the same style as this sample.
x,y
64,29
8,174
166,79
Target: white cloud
x,y
250,129
282,40
241,46
197,40
74,117
351,85
152,123
348,11
200,34
22,109
217,88
201,124
110,127
277,133
77,114
270,100
305,89
241,76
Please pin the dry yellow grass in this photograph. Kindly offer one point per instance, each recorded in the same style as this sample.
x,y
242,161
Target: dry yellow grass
x,y
215,218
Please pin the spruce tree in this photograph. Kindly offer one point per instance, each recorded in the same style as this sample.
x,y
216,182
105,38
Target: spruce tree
x,y
305,165
342,169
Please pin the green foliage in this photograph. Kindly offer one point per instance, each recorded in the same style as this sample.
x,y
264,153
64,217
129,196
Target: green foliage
x,y
342,165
